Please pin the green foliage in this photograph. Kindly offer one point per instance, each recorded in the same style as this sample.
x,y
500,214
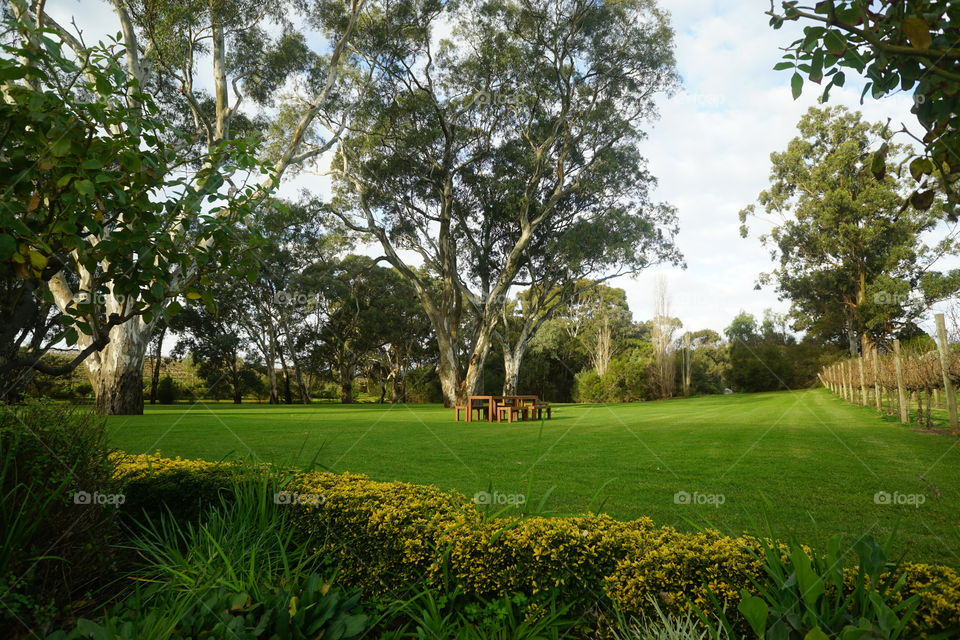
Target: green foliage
x,y
235,572
168,390
48,452
409,532
78,160
812,596
850,255
301,611
762,358
661,626
431,615
895,46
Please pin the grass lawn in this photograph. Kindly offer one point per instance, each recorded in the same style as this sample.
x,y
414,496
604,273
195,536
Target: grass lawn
x,y
805,461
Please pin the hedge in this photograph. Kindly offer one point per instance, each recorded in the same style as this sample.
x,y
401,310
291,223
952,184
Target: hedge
x,y
386,536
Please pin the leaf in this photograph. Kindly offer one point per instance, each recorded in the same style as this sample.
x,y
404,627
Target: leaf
x,y
193,295
34,202
38,260
84,187
8,246
816,68
919,167
796,85
918,32
816,634
835,42
755,611
780,66
922,200
60,147
878,166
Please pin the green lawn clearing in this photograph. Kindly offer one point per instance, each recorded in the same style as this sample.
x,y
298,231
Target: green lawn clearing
x,y
807,462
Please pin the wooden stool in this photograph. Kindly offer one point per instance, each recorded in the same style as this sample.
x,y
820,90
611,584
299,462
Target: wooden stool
x,y
510,412
458,409
539,407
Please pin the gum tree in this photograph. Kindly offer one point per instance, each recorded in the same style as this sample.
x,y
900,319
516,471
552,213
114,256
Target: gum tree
x,y
532,107
173,50
849,252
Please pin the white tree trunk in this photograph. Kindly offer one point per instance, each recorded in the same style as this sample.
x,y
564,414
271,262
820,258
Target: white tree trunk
x,y
511,372
116,372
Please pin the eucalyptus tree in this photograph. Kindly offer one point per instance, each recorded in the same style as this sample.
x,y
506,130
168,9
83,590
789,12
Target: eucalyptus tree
x,y
850,251
617,233
470,146
210,65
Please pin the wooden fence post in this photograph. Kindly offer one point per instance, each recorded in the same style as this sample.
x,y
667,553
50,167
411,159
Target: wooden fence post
x,y
901,392
945,368
863,380
876,378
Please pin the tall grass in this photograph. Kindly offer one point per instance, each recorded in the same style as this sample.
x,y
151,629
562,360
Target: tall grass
x,y
244,544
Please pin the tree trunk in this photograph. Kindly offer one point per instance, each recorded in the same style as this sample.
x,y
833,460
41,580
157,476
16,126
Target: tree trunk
x,y
157,361
116,372
473,380
448,370
237,385
346,384
511,370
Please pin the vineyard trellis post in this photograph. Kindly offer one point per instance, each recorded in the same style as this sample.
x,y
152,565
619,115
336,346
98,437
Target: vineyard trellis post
x,y
863,380
852,397
948,389
901,392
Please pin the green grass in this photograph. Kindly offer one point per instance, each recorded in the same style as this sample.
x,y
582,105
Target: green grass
x,y
806,461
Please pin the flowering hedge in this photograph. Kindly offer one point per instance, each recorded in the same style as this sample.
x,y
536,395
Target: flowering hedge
x,y
386,536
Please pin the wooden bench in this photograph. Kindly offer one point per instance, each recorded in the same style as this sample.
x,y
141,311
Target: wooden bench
x,y
482,411
510,411
539,407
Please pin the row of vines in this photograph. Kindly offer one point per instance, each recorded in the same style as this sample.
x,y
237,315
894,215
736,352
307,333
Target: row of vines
x,y
908,385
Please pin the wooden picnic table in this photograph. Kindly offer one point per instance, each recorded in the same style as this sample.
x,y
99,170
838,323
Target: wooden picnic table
x,y
492,404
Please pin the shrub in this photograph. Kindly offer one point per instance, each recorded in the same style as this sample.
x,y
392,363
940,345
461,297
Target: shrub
x,y
588,387
52,548
168,391
387,536
155,486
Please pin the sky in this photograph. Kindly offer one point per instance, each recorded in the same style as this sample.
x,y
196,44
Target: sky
x,y
709,150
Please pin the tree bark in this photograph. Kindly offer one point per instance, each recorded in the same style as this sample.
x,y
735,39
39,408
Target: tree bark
x,y
511,370
116,372
346,384
157,361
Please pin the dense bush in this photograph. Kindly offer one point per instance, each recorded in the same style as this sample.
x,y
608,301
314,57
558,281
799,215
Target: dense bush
x,y
168,391
386,536
55,479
